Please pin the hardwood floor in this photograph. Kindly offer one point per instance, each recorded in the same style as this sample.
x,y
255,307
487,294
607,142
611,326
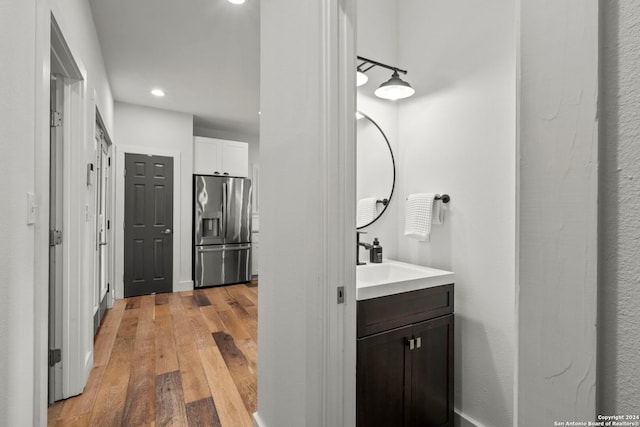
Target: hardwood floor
x,y
181,359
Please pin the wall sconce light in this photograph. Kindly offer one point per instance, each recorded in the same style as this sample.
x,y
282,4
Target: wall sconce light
x,y
393,89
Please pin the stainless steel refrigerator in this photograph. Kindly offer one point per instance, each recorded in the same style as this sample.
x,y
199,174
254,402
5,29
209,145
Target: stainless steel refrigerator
x,y
221,230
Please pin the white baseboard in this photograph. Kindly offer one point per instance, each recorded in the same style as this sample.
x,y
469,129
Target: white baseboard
x,y
184,285
257,422
463,420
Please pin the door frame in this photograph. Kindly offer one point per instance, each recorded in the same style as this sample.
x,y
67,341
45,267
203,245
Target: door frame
x,y
99,124
118,219
77,342
318,370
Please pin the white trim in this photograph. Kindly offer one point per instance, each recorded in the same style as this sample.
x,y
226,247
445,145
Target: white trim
x,y
41,189
257,422
255,181
183,285
76,314
118,219
460,419
77,321
516,350
97,117
313,382
339,136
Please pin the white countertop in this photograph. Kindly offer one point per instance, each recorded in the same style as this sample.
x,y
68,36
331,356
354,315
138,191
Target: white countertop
x,y
394,277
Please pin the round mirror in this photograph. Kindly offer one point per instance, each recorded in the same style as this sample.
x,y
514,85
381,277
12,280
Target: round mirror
x,y
376,168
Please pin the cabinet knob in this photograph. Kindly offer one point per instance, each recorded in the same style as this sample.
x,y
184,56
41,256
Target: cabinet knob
x,y
418,342
412,344
216,173
226,173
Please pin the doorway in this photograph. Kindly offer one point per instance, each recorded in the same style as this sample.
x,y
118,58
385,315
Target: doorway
x,y
148,224
103,223
56,167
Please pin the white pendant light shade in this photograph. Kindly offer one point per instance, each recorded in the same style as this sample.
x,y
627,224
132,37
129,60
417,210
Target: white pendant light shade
x,y
394,88
361,78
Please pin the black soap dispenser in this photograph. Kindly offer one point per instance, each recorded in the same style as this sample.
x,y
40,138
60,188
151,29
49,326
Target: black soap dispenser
x,y
375,253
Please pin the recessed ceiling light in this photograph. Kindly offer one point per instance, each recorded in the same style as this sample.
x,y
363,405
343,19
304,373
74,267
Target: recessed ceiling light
x,y
157,92
236,1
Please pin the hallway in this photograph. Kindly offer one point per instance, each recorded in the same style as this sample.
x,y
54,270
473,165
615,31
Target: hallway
x,y
186,358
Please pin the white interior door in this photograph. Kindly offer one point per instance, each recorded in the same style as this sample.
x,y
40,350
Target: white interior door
x,y
103,226
55,238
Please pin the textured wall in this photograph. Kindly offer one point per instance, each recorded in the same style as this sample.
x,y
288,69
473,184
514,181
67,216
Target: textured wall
x,y
619,298
557,247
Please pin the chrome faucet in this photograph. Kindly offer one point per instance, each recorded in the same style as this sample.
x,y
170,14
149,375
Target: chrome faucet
x,y
367,246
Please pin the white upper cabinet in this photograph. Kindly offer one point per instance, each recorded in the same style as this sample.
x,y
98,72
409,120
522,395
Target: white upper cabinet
x,y
220,157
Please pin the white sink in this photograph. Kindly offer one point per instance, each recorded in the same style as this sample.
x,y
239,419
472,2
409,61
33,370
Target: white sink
x,y
394,277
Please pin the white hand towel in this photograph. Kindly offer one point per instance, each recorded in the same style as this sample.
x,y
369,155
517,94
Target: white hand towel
x,y
367,211
418,215
437,217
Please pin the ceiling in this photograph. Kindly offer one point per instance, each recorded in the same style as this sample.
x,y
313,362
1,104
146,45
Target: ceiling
x,y
205,54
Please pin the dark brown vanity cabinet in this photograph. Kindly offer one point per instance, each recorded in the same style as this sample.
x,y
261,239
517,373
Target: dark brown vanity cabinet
x,y
405,359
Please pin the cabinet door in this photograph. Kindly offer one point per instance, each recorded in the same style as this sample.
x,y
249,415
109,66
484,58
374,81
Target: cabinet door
x,y
207,157
432,373
383,379
235,158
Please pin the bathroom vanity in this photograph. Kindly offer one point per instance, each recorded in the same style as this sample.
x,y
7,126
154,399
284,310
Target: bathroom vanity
x,y
405,346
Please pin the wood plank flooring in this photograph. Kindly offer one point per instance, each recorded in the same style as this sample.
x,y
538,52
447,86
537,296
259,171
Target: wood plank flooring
x,y
181,359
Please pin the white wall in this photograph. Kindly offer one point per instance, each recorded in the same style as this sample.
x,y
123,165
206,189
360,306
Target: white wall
x,y
76,22
152,128
619,252
557,211
307,230
24,43
377,39
457,136
17,286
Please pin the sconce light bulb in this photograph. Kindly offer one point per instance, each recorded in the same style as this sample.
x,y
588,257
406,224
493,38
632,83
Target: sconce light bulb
x,y
361,78
394,88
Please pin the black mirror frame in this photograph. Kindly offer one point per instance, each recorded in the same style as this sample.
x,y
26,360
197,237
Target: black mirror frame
x,y
393,164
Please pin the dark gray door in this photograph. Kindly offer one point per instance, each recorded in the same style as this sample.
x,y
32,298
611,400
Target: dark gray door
x,y
148,225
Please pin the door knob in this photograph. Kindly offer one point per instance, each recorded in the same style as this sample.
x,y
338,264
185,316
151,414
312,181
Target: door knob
x,y
167,231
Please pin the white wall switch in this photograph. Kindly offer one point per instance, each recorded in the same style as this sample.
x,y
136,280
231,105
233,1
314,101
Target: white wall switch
x,y
32,209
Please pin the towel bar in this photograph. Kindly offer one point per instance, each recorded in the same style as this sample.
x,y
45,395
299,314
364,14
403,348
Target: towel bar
x,y
445,198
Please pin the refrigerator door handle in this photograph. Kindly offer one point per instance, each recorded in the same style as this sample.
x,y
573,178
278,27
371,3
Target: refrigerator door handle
x,y
225,209
221,249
